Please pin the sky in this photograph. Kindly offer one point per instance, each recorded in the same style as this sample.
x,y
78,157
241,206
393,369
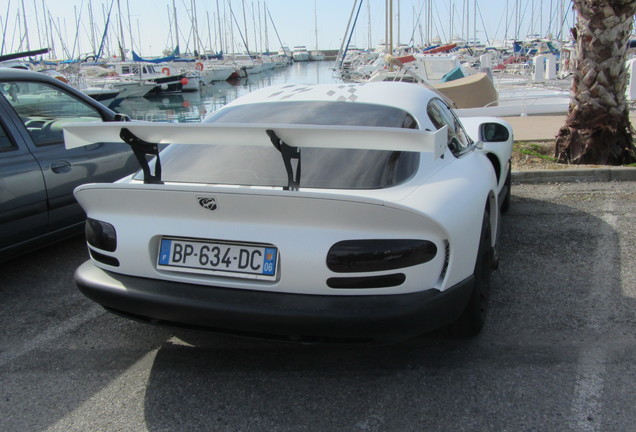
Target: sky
x,y
148,25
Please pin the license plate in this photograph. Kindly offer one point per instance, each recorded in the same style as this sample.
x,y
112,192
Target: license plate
x,y
211,257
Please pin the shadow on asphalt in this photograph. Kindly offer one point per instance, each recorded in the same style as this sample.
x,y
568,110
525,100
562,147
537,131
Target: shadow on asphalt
x,y
523,363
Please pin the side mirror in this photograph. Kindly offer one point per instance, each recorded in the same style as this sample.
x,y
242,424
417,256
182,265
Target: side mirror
x,y
493,132
121,117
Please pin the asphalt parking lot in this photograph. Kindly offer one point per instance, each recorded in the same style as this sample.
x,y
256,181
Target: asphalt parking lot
x,y
558,352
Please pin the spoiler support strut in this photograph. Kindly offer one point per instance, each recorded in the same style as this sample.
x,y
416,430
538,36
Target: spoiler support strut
x,y
288,152
141,149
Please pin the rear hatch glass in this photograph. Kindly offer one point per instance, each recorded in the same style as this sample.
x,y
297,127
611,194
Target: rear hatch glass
x,y
331,168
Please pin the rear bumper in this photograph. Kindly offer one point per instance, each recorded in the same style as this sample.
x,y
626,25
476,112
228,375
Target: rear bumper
x,y
274,315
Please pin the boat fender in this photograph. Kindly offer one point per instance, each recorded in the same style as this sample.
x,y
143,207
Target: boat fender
x,y
199,66
166,71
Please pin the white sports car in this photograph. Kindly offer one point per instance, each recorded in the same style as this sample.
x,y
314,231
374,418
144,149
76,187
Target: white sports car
x,y
389,229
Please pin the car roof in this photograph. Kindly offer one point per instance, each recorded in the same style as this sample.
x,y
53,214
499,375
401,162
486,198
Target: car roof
x,y
405,96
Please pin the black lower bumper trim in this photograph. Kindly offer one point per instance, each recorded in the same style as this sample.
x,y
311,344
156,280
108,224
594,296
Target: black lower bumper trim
x,y
270,314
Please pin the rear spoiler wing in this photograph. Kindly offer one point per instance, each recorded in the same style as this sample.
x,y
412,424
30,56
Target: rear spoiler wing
x,y
145,138
349,137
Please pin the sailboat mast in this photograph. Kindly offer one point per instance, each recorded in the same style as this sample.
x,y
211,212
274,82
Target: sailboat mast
x,y
467,20
77,26
130,29
370,41
245,27
47,31
398,23
91,20
343,51
474,22
388,27
256,47
561,37
452,15
4,29
517,20
391,26
265,24
218,17
122,46
195,29
26,32
176,27
260,28
429,23
207,16
35,7
316,23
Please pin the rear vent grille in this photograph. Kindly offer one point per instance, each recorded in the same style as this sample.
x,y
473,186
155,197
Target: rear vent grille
x,y
105,259
386,281
446,260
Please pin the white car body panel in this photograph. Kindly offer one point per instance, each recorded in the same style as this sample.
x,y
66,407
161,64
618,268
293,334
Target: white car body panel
x,y
502,150
444,201
284,224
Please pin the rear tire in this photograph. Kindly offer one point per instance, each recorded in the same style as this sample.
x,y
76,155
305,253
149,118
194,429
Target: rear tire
x,y
473,318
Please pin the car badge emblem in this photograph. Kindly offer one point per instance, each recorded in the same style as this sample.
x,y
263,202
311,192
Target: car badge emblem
x,y
207,203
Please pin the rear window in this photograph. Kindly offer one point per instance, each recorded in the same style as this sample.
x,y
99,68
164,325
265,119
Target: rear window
x,y
316,113
320,168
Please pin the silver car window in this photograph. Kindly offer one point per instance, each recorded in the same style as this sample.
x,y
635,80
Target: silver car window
x,y
441,115
45,109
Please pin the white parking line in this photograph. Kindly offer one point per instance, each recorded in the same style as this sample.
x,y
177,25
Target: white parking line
x,y
590,378
588,390
50,334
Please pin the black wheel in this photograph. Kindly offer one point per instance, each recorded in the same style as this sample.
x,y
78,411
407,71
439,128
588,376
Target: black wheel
x,y
473,318
505,204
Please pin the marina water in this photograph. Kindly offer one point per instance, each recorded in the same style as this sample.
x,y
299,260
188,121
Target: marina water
x,y
195,106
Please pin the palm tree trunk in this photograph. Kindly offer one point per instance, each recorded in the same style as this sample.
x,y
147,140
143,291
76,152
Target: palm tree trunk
x,y
597,129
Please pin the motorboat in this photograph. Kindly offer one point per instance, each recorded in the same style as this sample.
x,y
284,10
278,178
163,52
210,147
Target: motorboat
x,y
300,53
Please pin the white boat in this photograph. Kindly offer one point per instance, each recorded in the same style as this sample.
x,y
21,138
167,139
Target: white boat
x,y
266,65
147,72
316,56
300,53
477,95
245,63
214,70
430,68
99,77
218,72
277,61
193,80
107,96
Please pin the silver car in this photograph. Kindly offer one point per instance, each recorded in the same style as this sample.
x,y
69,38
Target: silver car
x,y
37,174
